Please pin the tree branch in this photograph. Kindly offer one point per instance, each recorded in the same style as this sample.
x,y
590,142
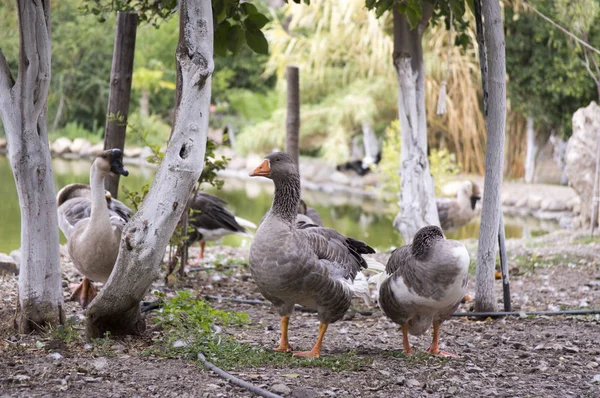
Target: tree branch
x,y
6,80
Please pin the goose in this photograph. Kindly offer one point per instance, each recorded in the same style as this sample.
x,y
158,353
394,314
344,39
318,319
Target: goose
x,y
210,220
308,214
423,284
92,222
301,263
459,211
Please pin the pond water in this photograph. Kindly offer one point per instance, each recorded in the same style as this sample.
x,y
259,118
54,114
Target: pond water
x,y
356,216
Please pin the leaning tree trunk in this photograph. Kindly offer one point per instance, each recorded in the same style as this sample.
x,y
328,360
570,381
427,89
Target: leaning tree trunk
x,y
531,151
120,89
494,155
145,238
292,137
23,111
417,196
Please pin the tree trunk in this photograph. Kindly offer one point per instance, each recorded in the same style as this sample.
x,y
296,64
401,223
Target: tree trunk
x,y
531,152
494,156
120,89
417,196
23,111
292,137
143,243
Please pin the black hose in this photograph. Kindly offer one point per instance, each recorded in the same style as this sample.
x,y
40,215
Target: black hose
x,y
234,380
527,313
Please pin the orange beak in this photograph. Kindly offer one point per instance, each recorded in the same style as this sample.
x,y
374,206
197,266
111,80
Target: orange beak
x,y
264,169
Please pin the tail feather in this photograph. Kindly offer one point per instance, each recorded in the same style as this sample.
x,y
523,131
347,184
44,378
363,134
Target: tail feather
x,y
374,266
245,223
361,289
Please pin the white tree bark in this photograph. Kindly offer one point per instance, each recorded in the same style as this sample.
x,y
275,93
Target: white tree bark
x,y
23,111
417,195
531,152
144,240
494,156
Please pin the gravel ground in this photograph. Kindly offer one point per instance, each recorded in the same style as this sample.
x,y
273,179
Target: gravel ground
x,y
556,356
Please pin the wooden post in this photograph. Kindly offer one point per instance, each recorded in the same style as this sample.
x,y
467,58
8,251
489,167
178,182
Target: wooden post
x,y
292,137
120,89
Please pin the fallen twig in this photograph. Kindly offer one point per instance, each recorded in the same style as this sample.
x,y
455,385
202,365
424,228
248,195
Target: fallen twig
x,y
234,380
217,268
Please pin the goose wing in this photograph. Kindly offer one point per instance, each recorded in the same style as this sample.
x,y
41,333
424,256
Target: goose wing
x,y
71,212
334,250
209,213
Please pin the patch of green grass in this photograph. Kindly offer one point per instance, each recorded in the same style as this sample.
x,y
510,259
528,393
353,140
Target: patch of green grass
x,y
103,345
529,263
586,240
191,325
65,333
416,358
472,266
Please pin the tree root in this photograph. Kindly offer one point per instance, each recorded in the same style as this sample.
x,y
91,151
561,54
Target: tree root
x,y
234,380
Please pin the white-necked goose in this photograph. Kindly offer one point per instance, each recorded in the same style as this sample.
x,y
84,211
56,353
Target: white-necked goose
x,y
212,221
459,211
92,222
301,264
423,284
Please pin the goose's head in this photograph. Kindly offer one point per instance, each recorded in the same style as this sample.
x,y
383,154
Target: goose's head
x,y
111,162
276,166
424,240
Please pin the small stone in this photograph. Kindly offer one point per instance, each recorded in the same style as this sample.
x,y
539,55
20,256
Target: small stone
x,y
592,365
452,390
597,378
304,392
413,383
179,344
280,389
400,380
87,347
55,355
100,363
385,373
571,349
118,347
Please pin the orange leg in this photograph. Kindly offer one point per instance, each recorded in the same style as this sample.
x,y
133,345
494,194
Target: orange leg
x,y
202,244
284,345
434,349
84,293
316,350
405,343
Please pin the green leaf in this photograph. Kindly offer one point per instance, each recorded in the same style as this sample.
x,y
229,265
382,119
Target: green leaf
x,y
249,8
382,7
370,4
235,38
458,8
256,41
220,40
256,21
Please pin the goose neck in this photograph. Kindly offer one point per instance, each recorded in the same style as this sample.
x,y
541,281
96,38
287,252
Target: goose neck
x,y
99,209
287,198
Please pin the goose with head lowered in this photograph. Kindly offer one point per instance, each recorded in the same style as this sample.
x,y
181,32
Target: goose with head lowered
x,y
92,222
210,220
302,263
423,284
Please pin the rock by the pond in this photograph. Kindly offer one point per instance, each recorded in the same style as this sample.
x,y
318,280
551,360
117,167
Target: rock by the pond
x,y
94,150
304,392
16,255
8,265
132,152
61,145
80,146
581,156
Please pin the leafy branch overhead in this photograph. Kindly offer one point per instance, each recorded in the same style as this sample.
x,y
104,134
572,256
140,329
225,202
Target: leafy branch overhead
x,y
237,24
413,9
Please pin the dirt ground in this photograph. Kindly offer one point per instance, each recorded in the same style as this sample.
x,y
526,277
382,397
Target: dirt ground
x,y
549,356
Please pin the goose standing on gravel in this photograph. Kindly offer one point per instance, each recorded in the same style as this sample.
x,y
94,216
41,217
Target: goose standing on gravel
x,y
302,264
459,211
423,284
92,222
212,221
